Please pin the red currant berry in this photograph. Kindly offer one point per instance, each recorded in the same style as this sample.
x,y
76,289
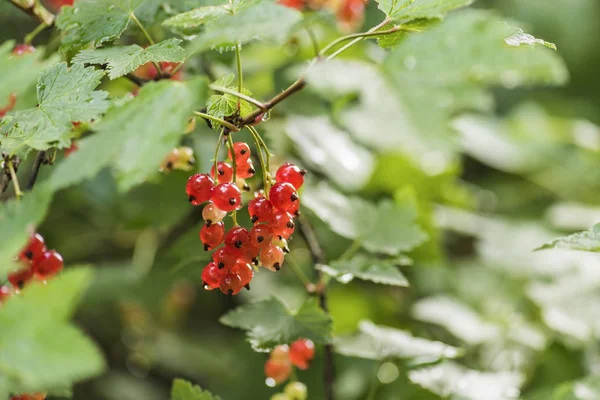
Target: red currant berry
x,y
212,236
278,370
251,254
5,293
242,152
199,188
261,235
244,271
21,49
212,214
260,209
211,276
283,196
231,284
19,278
291,174
272,257
302,352
226,257
227,197
280,353
34,249
245,169
237,237
282,224
50,265
225,171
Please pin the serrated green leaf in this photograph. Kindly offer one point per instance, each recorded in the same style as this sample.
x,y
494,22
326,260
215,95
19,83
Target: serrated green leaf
x,y
390,40
44,334
386,227
453,381
408,10
369,269
122,60
64,95
225,105
269,323
17,220
184,390
134,137
95,21
255,20
585,241
186,21
375,342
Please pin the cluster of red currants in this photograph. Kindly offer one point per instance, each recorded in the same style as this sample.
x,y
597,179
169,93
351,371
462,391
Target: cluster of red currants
x,y
37,396
271,212
38,262
281,360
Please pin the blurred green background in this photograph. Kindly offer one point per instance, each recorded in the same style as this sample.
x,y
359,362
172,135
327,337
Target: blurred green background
x,y
512,179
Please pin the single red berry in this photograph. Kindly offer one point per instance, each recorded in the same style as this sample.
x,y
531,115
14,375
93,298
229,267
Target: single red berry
x,y
5,293
34,249
251,254
302,352
244,271
199,188
227,197
280,353
278,370
260,209
12,102
212,236
237,237
19,278
211,276
225,171
291,174
231,284
272,257
297,4
242,152
261,235
226,257
282,224
212,214
50,264
169,67
73,147
21,49
245,169
283,196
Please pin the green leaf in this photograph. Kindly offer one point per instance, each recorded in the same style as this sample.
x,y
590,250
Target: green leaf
x,y
247,21
64,95
369,269
585,389
68,355
386,227
586,241
225,105
184,390
408,10
375,342
450,380
17,220
269,323
187,21
122,60
134,137
95,21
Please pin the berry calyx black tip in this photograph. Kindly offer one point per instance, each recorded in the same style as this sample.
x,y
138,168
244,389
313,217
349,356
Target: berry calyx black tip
x,y
255,261
294,197
169,165
191,162
221,265
29,254
290,225
247,286
277,266
206,247
243,151
286,249
251,170
254,219
191,198
260,239
221,172
230,292
208,222
297,213
302,172
246,187
232,201
238,244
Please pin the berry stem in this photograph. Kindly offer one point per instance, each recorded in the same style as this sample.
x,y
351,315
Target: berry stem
x,y
263,163
357,38
148,38
314,41
300,274
219,121
234,177
37,164
238,60
216,159
13,176
235,93
33,34
36,9
351,250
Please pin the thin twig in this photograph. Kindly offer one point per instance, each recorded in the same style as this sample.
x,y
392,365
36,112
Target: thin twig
x,y
294,87
220,121
148,38
313,41
37,164
35,9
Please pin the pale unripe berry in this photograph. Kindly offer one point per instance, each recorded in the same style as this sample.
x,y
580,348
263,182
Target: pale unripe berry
x,y
211,214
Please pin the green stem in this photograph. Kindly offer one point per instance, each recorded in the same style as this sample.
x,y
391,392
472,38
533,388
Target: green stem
x,y
220,121
234,165
313,41
33,34
299,273
36,9
148,38
264,165
15,180
237,94
357,38
216,159
238,60
351,250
